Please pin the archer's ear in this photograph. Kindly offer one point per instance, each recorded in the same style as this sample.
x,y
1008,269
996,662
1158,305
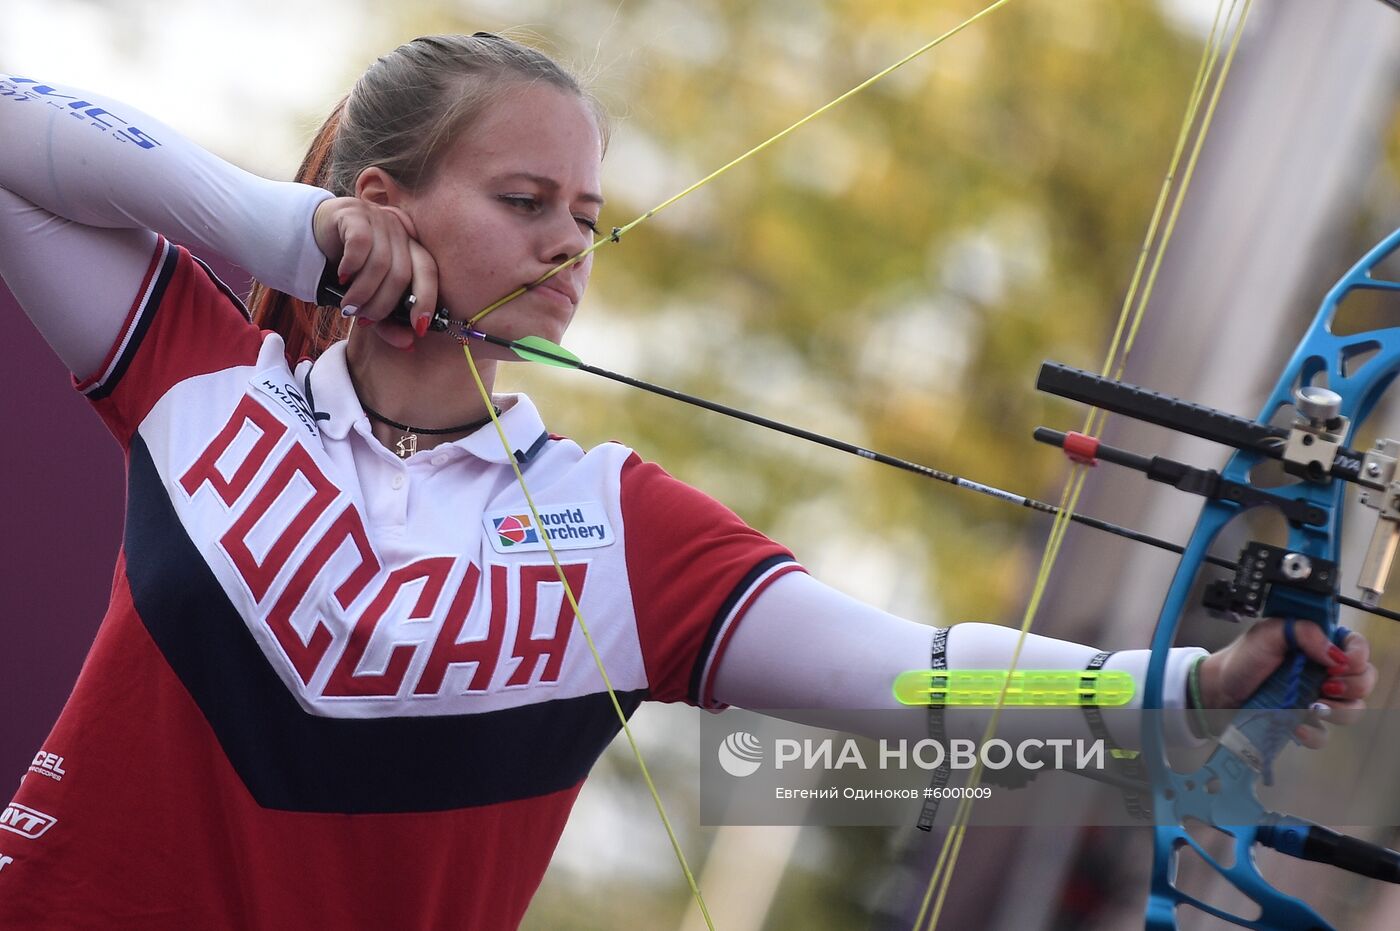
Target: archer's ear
x,y
379,187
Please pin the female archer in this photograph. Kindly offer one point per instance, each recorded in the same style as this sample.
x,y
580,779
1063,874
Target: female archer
x,y
338,684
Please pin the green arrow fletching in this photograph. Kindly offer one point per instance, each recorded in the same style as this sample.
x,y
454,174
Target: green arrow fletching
x,y
539,349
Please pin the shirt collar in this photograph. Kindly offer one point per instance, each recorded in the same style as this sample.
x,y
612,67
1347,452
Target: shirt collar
x,y
337,409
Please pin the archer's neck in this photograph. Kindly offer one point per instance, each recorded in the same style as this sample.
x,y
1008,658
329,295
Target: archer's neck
x,y
430,386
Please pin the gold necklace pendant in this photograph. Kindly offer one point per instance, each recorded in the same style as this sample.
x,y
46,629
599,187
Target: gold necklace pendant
x,y
407,445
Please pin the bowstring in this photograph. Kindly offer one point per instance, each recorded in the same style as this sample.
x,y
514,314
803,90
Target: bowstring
x,y
615,237
1211,73
618,231
592,647
1129,322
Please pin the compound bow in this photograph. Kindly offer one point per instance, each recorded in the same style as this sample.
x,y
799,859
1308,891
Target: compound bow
x,y
1332,384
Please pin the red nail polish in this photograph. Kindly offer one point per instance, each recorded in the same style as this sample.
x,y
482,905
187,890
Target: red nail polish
x,y
1335,671
420,326
361,321
1337,655
1332,688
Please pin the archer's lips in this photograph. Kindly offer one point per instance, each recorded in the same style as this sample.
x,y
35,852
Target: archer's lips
x,y
559,288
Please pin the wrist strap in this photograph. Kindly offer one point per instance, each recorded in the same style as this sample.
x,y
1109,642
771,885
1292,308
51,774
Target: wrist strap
x,y
1197,720
1137,796
938,659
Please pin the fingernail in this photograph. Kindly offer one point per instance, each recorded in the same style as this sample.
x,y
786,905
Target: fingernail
x,y
1337,655
420,326
349,310
1320,709
410,347
1332,688
361,321
1335,671
344,277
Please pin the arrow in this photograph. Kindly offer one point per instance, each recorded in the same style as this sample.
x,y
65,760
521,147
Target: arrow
x,y
540,350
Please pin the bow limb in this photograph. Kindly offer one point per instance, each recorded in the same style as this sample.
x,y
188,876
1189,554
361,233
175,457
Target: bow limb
x,y
1357,367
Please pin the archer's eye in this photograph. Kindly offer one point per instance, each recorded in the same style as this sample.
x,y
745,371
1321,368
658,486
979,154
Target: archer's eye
x,y
525,202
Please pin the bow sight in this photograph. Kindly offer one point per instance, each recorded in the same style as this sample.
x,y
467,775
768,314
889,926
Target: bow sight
x,y
1312,449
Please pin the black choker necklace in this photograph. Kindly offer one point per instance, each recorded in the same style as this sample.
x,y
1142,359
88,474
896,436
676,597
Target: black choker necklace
x,y
408,443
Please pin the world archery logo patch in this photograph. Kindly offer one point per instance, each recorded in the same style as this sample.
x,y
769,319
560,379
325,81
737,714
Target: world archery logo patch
x,y
514,529
567,526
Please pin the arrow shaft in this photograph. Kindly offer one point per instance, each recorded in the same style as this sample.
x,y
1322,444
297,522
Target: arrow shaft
x,y
907,465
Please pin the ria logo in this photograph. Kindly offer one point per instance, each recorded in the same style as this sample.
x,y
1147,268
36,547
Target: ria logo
x,y
741,754
515,529
25,821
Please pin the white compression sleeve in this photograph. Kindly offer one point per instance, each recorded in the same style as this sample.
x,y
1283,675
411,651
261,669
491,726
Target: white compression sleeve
x,y
75,282
804,647
99,164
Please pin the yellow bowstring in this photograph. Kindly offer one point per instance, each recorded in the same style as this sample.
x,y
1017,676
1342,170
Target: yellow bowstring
x,y
1129,320
616,236
618,232
592,647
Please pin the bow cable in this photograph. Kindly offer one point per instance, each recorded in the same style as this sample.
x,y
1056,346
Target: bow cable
x,y
618,231
592,647
616,236
1129,321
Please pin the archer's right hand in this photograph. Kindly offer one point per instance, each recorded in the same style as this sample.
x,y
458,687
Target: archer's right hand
x,y
380,259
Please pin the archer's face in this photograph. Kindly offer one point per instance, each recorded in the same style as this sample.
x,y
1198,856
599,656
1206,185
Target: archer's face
x,y
516,194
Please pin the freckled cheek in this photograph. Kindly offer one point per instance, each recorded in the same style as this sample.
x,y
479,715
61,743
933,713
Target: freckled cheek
x,y
478,270
587,272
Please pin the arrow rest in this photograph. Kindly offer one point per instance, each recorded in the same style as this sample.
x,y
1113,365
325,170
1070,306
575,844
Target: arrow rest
x,y
1316,436
1266,582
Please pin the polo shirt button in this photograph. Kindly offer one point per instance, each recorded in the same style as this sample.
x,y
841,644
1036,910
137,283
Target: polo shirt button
x,y
397,483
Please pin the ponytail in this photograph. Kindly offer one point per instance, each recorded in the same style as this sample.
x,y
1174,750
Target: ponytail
x,y
306,328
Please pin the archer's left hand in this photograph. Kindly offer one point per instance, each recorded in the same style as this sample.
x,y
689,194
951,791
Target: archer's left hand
x,y
1231,675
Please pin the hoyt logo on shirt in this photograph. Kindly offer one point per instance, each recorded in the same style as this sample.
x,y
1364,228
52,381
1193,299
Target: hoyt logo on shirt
x,y
568,526
25,821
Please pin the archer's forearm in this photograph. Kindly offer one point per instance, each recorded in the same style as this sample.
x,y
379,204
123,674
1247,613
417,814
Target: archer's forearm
x,y
101,163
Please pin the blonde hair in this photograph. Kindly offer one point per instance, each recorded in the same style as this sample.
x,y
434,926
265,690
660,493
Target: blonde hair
x,y
400,116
